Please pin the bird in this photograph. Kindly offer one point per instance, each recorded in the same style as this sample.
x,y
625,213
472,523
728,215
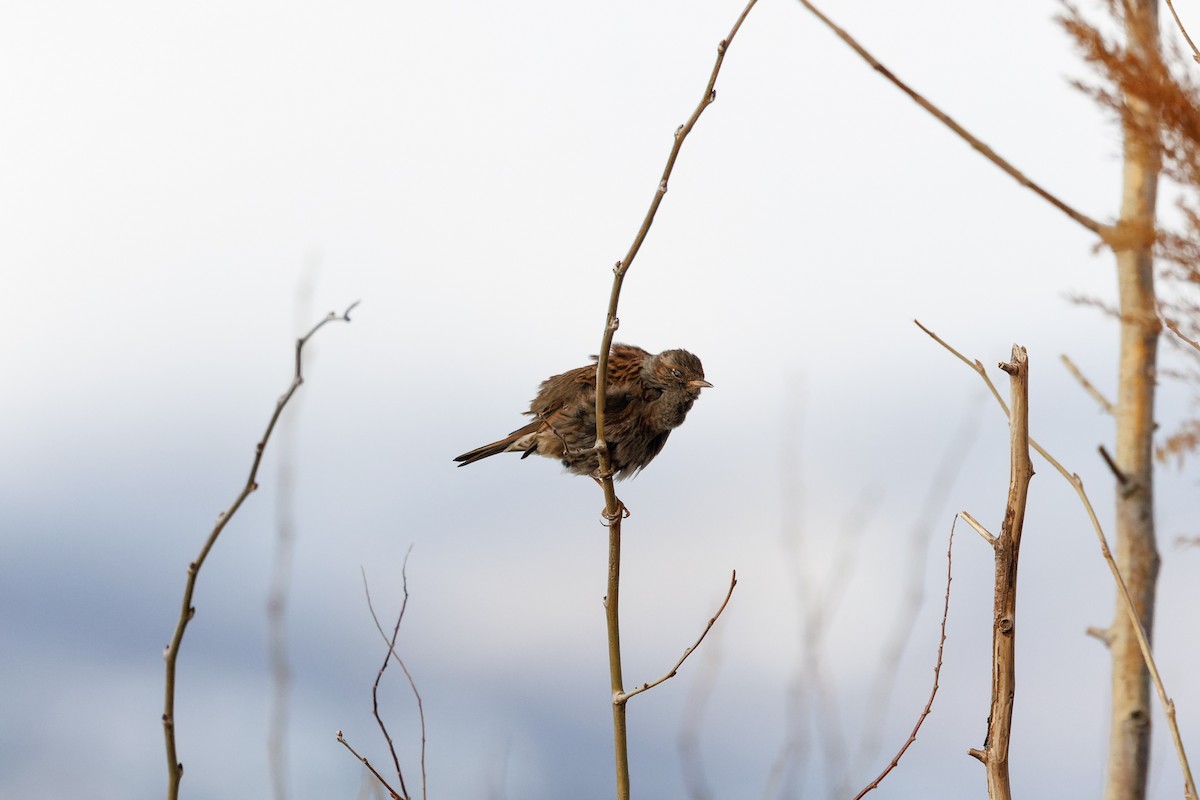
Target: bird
x,y
647,396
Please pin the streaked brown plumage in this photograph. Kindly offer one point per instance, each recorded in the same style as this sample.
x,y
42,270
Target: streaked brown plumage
x,y
648,396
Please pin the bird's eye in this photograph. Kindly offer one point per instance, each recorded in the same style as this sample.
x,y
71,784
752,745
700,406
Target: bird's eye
x,y
677,373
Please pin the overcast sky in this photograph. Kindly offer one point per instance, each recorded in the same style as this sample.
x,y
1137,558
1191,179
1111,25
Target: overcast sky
x,y
471,171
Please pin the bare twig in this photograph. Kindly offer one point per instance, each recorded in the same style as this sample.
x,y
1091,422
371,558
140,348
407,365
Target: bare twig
x,y
612,322
982,531
987,152
1007,548
187,611
937,671
1121,477
391,644
1087,385
623,697
1183,30
1174,328
613,508
395,795
905,612
1122,590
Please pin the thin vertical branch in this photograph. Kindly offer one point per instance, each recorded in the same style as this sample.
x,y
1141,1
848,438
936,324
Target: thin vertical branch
x,y
187,611
1123,593
904,613
1007,546
937,672
613,509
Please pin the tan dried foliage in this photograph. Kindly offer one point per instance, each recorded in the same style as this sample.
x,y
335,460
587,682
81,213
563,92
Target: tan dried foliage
x,y
1169,87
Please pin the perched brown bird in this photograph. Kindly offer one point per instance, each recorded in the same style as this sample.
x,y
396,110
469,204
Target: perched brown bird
x,y
647,397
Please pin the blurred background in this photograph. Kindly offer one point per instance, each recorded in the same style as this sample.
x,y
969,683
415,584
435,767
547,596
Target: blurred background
x,y
187,189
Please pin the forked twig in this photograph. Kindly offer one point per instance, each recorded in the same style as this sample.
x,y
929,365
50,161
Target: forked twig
x,y
937,672
1122,591
987,152
623,697
187,611
391,653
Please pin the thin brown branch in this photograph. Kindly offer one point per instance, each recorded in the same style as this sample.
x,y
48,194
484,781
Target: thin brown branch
x,y
937,672
1007,548
1121,477
391,653
623,697
395,795
987,152
614,510
187,611
612,322
1122,590
1088,386
905,613
1183,30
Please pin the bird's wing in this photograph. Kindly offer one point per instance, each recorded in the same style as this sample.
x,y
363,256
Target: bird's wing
x,y
563,391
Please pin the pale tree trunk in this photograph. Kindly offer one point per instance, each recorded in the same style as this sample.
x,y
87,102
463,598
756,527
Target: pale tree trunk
x,y
1136,551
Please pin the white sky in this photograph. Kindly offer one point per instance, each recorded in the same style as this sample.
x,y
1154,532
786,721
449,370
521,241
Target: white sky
x,y
471,171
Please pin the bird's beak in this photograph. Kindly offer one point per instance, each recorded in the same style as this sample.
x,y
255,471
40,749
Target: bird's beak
x,y
698,384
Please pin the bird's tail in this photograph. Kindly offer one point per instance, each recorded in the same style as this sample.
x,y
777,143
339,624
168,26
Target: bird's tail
x,y
519,441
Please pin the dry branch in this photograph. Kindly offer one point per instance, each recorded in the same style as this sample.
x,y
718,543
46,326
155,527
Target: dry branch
x,y
905,613
624,696
395,795
987,152
391,653
1088,386
614,510
171,653
1174,328
1122,591
937,672
1007,548
983,532
1183,30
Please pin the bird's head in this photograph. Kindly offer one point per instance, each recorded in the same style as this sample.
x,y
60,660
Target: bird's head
x,y
678,370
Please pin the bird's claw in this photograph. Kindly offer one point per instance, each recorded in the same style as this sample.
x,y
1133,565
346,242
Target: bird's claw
x,y
622,513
